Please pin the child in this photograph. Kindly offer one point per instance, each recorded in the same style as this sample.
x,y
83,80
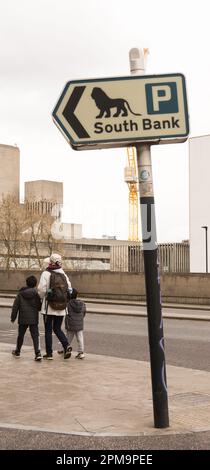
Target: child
x,y
74,322
26,306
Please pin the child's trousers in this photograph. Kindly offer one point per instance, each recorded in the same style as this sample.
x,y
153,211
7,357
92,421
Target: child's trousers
x,y
79,338
34,334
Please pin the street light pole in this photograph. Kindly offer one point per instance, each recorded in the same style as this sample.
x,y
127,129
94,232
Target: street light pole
x,y
206,240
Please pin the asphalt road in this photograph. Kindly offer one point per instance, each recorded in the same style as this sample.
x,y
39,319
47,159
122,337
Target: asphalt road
x,y
186,342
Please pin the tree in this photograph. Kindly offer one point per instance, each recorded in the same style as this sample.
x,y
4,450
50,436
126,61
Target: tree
x,y
39,235
25,235
12,223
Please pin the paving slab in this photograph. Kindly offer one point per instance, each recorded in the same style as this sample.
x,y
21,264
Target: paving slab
x,y
97,396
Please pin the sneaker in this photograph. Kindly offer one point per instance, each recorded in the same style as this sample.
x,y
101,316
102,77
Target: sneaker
x,y
16,353
67,353
49,358
61,351
38,357
80,356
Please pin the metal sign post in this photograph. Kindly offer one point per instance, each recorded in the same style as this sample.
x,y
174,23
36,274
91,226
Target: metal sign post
x,y
151,267
136,110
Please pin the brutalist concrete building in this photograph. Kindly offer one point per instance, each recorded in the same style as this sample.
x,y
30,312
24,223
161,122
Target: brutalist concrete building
x,y
9,171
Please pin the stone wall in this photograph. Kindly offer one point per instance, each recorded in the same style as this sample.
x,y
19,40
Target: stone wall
x,y
177,288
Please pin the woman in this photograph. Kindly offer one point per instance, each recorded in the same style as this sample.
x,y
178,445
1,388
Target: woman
x,y
54,280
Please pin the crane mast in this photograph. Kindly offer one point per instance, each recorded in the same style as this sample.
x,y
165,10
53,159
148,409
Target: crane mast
x,y
130,176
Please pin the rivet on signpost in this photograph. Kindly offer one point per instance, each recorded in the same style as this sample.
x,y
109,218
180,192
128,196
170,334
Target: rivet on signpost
x,y
151,266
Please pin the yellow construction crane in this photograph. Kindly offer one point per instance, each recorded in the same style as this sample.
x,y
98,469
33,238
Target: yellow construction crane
x,y
130,176
130,170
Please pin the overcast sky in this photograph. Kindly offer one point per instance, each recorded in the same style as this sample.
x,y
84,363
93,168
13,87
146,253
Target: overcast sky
x,y
45,43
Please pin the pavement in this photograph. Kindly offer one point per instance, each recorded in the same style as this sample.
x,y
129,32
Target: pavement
x,y
97,396
194,312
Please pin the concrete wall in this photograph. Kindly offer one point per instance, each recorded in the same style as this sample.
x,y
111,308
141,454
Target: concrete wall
x,y
9,170
180,288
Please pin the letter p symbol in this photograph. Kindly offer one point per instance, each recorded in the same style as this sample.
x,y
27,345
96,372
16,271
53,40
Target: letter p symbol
x,y
161,98
160,93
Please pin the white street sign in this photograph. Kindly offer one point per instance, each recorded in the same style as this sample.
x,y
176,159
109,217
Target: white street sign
x,y
116,112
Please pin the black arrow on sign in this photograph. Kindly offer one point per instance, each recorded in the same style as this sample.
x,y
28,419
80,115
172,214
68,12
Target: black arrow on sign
x,y
68,112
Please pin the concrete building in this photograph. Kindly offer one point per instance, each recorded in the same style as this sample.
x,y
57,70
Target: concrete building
x,y
98,254
128,257
77,254
66,231
199,213
44,197
9,170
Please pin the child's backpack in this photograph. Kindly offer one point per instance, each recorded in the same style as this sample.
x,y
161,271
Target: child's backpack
x,y
57,295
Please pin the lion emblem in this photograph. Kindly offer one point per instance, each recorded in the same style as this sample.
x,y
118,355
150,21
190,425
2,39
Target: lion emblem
x,y
105,104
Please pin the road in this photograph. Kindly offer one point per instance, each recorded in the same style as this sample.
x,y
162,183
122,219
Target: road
x,y
186,341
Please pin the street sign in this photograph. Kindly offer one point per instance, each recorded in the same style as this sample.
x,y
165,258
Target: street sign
x,y
116,112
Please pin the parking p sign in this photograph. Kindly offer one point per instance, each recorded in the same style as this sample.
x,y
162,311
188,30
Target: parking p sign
x,y
114,112
162,98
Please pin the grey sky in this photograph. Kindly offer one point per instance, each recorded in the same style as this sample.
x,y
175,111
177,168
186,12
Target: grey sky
x,y
45,43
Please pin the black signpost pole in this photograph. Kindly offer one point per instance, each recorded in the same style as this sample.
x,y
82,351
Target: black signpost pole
x,y
152,274
153,294
91,115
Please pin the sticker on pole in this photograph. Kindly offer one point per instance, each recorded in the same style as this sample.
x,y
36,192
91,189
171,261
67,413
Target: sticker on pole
x,y
115,112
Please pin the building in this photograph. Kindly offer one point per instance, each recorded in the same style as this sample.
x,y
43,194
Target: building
x,y
98,254
128,257
199,213
44,197
9,171
77,254
66,231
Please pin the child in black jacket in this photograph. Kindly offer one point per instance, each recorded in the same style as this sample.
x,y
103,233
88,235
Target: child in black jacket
x,y
26,306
